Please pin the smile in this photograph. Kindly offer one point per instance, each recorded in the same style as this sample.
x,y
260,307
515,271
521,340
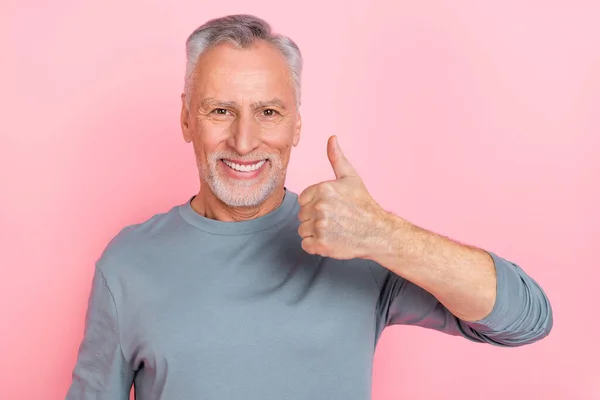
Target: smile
x,y
244,167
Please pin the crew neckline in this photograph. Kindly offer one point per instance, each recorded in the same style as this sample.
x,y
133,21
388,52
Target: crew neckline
x,y
273,218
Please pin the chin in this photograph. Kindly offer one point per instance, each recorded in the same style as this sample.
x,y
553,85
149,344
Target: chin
x,y
243,196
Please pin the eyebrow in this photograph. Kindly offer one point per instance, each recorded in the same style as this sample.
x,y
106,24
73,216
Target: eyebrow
x,y
212,102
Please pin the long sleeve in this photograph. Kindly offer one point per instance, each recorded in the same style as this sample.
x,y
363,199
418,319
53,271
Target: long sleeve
x,y
101,371
521,314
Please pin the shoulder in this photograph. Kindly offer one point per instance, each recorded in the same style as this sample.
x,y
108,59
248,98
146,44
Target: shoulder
x,y
135,243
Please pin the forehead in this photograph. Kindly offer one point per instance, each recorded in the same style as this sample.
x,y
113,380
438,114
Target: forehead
x,y
229,73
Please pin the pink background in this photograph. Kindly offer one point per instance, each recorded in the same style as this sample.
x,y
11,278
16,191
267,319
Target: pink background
x,y
475,120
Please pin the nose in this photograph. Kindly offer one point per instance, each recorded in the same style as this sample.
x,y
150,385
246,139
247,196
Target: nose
x,y
245,135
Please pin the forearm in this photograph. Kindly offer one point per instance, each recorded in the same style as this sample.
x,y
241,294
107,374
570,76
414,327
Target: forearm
x,y
461,277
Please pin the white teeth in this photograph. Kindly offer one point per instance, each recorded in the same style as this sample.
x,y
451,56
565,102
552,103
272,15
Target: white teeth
x,y
244,168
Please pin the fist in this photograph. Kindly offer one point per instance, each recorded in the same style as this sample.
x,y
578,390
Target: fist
x,y
339,218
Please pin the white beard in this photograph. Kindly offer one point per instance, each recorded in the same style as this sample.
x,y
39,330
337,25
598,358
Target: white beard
x,y
242,193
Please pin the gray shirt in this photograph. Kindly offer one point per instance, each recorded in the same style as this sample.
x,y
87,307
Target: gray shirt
x,y
189,308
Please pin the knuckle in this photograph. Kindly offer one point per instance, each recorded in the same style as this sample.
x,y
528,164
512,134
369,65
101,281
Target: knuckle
x,y
322,225
325,188
321,206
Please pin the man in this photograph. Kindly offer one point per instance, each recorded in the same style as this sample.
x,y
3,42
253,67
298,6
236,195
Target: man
x,y
250,291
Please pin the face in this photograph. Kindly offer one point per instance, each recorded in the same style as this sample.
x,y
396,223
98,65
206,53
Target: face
x,y
243,122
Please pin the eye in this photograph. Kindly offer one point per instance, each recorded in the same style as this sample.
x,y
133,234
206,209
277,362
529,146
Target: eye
x,y
269,112
220,111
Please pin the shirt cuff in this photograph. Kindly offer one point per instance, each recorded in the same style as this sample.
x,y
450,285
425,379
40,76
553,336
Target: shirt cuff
x,y
509,294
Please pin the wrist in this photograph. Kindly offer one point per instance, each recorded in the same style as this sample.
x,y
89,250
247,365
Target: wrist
x,y
385,247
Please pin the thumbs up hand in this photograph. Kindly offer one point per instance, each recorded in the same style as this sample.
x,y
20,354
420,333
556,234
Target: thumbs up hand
x,y
339,218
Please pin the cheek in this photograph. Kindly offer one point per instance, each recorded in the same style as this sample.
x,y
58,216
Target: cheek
x,y
284,151
208,137
200,153
281,137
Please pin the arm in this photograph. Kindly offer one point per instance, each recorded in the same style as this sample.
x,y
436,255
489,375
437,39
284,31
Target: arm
x,y
457,288
427,280
101,371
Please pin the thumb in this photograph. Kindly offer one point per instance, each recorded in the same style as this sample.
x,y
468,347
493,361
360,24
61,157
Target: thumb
x,y
339,162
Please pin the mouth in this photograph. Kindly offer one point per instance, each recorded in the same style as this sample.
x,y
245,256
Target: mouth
x,y
245,166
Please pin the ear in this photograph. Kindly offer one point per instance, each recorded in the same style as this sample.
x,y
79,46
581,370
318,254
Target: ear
x,y
185,120
297,130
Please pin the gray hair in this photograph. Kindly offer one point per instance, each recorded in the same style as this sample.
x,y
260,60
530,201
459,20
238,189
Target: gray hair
x,y
241,30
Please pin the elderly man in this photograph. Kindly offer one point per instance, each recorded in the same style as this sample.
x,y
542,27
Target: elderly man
x,y
250,291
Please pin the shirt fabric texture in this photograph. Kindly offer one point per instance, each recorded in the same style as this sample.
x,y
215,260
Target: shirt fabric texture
x,y
189,308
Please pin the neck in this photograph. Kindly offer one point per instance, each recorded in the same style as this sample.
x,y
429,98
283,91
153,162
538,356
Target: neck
x,y
209,206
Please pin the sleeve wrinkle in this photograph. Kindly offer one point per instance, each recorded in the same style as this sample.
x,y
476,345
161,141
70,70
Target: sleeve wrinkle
x,y
112,297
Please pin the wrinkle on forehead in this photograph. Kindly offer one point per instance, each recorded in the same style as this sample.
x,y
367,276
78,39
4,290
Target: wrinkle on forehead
x,y
251,75
208,102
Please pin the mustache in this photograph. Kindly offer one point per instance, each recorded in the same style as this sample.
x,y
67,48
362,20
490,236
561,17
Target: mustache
x,y
214,157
